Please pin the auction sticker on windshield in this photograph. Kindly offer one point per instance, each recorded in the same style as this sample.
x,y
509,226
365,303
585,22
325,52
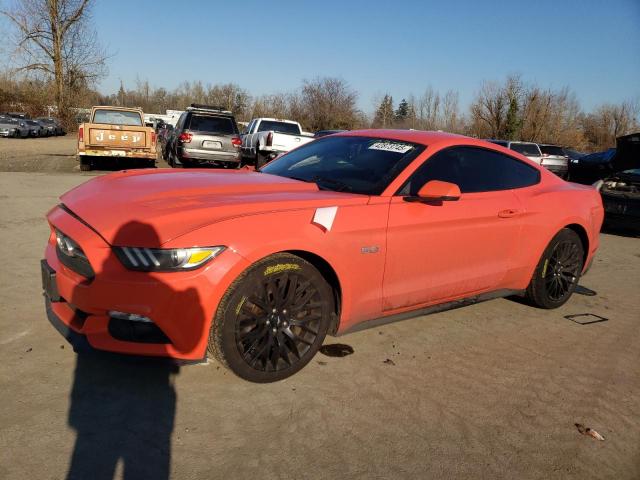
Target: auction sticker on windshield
x,y
397,147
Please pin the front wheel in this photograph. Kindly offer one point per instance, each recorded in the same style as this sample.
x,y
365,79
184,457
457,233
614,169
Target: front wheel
x,y
272,320
558,271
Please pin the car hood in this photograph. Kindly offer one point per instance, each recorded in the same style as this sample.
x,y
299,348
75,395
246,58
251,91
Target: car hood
x,y
165,204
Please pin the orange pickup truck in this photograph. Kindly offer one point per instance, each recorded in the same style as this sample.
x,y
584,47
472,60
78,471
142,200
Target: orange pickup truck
x,y
117,133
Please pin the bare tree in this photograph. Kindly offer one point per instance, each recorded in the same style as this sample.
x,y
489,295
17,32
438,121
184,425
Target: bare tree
x,y
55,38
329,103
609,121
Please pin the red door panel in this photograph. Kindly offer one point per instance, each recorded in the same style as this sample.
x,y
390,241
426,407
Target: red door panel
x,y
439,252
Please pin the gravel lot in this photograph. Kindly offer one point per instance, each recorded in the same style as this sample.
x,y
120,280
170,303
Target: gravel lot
x,y
488,391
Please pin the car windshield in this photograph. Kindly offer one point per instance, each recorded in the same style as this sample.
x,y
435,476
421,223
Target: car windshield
x,y
279,127
552,150
526,149
362,165
117,117
211,124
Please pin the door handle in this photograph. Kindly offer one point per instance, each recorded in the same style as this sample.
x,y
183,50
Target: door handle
x,y
508,213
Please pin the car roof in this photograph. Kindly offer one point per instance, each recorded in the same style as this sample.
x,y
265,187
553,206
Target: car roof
x,y
416,136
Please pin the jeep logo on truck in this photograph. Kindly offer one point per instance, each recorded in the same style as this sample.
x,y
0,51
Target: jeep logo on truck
x,y
100,137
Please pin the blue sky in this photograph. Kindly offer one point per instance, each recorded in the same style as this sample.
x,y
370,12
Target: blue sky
x,y
399,47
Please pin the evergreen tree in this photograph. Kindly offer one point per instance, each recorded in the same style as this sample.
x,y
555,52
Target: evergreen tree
x,y
402,113
512,122
384,113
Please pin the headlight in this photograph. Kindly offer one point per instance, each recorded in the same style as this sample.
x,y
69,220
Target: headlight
x,y
69,247
166,260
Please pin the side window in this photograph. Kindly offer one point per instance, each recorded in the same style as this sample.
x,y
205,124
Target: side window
x,y
180,123
473,169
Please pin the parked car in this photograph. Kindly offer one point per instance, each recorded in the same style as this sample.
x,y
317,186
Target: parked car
x,y
324,133
9,127
266,138
35,129
204,135
7,130
555,159
621,190
591,168
348,231
164,132
53,125
18,127
114,134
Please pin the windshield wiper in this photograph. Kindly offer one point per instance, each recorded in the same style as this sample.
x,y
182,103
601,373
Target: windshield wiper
x,y
340,186
302,179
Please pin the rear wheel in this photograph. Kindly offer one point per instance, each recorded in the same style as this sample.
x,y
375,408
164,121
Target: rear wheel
x,y
558,271
272,320
261,160
85,164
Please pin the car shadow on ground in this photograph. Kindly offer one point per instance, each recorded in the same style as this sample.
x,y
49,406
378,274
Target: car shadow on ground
x,y
123,407
620,230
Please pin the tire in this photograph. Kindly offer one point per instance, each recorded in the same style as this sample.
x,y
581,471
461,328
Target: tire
x,y
85,164
261,160
558,271
272,320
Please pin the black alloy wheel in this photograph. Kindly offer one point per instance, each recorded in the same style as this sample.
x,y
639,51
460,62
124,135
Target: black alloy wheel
x,y
562,270
273,319
558,271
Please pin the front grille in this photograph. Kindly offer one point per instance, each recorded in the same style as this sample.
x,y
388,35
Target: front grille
x,y
77,264
140,332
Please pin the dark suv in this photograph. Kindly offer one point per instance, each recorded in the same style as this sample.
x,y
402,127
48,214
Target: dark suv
x,y
204,135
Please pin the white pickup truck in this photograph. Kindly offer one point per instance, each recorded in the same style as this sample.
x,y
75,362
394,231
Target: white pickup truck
x,y
266,138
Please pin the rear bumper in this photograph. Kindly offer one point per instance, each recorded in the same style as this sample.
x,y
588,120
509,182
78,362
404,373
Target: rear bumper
x,y
115,153
560,170
204,156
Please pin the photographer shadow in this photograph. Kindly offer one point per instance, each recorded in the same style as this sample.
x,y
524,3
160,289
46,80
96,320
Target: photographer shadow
x,y
123,408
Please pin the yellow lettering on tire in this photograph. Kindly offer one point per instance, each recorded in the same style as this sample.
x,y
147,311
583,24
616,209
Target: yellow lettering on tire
x,y
280,267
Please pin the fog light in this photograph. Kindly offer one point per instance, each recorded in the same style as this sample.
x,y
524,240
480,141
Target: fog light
x,y
132,317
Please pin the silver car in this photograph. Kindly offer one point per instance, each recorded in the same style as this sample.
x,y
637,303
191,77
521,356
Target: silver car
x,y
204,135
555,158
10,127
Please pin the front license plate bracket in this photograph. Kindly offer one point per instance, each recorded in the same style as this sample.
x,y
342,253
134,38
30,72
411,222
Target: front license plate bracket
x,y
49,283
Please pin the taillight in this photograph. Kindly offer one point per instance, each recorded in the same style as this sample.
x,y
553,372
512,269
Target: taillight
x,y
236,142
81,134
153,138
270,139
185,137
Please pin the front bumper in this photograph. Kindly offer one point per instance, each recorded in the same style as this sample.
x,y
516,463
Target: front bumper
x,y
180,304
621,209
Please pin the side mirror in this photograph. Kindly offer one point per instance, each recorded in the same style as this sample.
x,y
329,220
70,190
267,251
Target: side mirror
x,y
435,191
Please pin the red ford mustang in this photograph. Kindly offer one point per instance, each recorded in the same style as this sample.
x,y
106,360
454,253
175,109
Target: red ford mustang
x,y
255,268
